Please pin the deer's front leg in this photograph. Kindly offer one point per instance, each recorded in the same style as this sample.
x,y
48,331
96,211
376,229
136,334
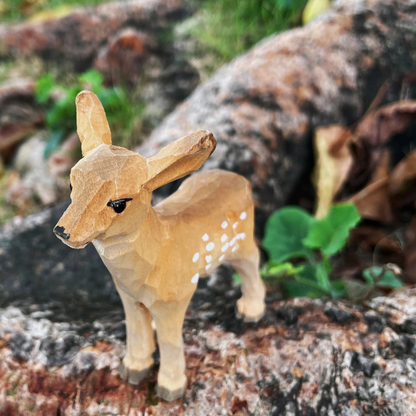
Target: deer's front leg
x,y
140,341
168,317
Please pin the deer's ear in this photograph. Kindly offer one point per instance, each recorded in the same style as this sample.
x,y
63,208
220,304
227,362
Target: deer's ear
x,y
92,124
179,158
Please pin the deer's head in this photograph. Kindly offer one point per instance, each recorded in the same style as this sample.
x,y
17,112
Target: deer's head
x,y
112,186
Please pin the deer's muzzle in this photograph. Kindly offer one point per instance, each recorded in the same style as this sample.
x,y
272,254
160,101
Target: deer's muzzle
x,y
60,231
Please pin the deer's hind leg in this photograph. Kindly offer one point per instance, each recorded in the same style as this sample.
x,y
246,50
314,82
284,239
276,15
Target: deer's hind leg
x,y
251,305
140,341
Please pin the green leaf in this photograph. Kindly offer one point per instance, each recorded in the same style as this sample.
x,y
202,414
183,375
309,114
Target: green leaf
x,y
287,269
44,87
389,280
322,275
372,273
311,276
330,234
381,277
338,288
93,80
296,289
285,231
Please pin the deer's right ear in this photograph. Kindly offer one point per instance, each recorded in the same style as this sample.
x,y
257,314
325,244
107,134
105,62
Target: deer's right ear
x,y
179,159
92,124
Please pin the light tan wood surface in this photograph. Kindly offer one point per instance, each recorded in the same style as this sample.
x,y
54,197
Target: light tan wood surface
x,y
156,255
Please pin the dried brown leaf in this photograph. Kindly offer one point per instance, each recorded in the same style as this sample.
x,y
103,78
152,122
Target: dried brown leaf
x,y
373,202
333,163
403,175
379,126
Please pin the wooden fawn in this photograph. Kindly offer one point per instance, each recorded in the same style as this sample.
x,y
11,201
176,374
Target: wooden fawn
x,y
157,254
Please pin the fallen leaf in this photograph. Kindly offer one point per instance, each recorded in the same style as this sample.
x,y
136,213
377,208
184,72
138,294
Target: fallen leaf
x,y
371,134
403,175
52,14
313,8
379,126
368,238
373,202
334,161
410,253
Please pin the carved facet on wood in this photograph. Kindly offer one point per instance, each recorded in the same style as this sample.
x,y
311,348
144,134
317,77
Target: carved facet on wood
x,y
156,255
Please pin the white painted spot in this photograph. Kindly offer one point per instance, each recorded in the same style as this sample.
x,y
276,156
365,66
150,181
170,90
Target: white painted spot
x,y
207,267
210,246
208,259
234,249
241,236
224,248
224,238
224,225
235,225
222,257
232,241
195,279
243,216
205,237
195,257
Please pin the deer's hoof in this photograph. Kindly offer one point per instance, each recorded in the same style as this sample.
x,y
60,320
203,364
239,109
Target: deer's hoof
x,y
170,388
133,376
169,395
250,310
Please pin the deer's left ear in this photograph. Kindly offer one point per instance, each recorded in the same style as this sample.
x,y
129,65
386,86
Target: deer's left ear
x,y
92,124
179,158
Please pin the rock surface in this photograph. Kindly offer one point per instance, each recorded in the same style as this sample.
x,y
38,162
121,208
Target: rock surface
x,y
33,264
19,114
296,361
263,106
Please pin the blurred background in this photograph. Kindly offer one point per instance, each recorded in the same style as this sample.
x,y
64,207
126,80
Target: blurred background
x,y
141,66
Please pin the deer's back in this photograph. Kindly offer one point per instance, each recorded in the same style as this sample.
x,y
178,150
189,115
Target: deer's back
x,y
206,193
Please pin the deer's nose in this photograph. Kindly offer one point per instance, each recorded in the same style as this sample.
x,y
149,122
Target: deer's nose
x,y
61,232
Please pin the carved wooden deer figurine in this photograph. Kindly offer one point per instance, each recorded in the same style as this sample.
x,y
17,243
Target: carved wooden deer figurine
x,y
157,254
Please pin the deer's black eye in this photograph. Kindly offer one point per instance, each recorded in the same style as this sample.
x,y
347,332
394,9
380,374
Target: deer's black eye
x,y
119,206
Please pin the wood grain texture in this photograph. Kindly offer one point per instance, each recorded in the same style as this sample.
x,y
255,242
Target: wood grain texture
x,y
156,255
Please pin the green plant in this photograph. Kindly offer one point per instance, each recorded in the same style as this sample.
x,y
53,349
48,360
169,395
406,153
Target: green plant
x,y
231,27
61,112
292,233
